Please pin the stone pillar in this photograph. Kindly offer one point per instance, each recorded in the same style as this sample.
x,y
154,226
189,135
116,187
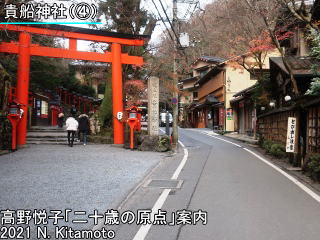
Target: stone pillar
x,y
153,106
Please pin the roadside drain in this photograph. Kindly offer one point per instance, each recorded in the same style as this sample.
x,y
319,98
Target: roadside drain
x,y
192,147
163,183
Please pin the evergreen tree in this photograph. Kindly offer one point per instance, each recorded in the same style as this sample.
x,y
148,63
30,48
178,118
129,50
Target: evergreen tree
x,y
124,16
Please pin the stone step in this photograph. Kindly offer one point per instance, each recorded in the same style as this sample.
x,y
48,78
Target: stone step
x,y
52,143
48,136
48,139
48,130
45,128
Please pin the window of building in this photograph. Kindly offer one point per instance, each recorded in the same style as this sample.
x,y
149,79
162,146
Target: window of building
x,y
44,109
195,94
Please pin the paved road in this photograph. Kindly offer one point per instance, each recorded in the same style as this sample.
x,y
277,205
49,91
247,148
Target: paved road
x,y
245,198
82,178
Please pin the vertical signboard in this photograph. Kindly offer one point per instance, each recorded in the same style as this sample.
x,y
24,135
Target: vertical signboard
x,y
221,116
229,114
291,134
153,106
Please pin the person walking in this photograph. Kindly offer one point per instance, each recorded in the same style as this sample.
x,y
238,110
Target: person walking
x,y
73,110
60,119
72,127
84,127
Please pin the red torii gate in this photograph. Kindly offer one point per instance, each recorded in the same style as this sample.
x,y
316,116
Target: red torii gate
x,y
24,48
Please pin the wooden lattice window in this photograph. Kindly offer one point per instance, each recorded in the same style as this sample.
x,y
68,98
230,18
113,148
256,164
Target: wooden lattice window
x,y
313,130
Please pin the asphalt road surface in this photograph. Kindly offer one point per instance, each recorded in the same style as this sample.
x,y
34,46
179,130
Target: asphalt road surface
x,y
244,197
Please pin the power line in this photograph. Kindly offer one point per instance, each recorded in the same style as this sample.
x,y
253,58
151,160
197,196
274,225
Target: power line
x,y
195,7
162,20
187,12
195,3
172,28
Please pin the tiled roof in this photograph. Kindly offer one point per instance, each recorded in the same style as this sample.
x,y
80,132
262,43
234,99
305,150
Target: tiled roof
x,y
298,65
189,79
215,70
209,59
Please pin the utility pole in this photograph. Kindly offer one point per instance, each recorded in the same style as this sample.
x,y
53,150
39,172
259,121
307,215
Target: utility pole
x,y
175,99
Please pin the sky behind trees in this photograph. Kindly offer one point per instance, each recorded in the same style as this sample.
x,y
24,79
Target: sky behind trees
x,y
182,10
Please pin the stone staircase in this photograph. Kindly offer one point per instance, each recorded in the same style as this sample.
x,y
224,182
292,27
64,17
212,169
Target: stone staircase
x,y
47,135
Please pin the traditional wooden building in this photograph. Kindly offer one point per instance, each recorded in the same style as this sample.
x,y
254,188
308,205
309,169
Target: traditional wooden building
x,y
244,111
272,125
189,96
217,81
195,113
91,74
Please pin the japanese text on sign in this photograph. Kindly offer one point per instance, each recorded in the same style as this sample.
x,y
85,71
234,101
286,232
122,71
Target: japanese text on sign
x,y
29,11
153,106
291,134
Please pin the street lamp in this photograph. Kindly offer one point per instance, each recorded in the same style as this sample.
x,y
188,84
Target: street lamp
x,y
272,104
287,98
263,108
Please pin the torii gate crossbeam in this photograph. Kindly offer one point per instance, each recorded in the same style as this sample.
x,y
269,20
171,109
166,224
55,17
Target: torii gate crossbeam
x,y
25,49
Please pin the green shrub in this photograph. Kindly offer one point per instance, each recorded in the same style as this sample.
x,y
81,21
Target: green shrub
x,y
260,141
277,150
105,110
267,145
164,144
5,133
274,149
105,131
314,166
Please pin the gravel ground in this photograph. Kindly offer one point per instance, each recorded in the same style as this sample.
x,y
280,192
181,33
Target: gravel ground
x,y
82,178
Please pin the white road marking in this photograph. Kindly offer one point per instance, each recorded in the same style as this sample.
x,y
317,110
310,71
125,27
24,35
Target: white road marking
x,y
182,163
292,179
211,135
227,141
143,230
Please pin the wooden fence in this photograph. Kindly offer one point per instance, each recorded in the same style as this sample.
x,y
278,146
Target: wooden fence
x,y
274,127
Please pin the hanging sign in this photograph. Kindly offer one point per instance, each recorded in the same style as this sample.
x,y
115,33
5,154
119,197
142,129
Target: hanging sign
x,y
291,134
221,116
229,114
119,115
